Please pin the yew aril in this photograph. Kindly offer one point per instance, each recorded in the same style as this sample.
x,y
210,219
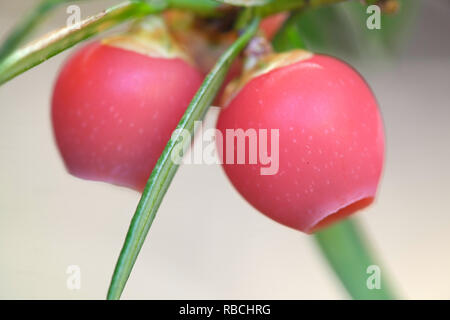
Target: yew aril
x,y
331,139
114,109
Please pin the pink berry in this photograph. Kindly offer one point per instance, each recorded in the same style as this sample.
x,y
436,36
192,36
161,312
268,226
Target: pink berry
x,y
331,140
114,110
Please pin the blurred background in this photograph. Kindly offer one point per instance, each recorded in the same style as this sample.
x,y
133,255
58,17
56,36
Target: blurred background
x,y
207,242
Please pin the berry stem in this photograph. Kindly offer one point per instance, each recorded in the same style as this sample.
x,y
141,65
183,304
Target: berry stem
x,y
165,168
346,250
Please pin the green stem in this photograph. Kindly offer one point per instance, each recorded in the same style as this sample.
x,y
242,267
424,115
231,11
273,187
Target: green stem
x,y
13,63
29,23
347,252
165,168
213,8
200,7
290,5
39,51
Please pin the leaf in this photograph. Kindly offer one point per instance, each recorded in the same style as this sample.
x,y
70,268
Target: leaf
x,y
165,168
394,30
62,39
327,30
341,30
323,29
23,29
289,37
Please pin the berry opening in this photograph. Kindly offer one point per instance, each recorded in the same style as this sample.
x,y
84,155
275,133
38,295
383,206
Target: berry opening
x,y
341,214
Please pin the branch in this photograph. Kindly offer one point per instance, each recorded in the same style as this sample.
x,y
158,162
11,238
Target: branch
x,y
27,25
55,42
291,5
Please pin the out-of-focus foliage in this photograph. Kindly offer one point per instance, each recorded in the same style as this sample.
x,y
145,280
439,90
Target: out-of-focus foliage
x,y
245,2
319,29
394,30
341,29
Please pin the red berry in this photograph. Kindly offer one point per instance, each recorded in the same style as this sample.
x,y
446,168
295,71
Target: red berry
x,y
114,110
331,140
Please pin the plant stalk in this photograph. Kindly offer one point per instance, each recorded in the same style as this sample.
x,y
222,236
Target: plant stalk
x,y
165,168
41,50
347,252
27,25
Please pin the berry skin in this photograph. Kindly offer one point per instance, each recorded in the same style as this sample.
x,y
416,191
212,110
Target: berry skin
x,y
331,141
113,111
